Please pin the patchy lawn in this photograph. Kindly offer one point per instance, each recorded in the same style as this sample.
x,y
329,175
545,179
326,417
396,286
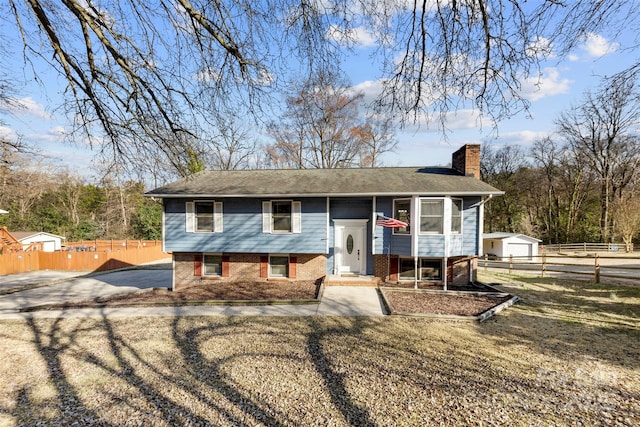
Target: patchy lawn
x,y
567,354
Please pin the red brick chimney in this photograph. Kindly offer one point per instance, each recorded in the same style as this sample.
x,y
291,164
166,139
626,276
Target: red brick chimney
x,y
467,160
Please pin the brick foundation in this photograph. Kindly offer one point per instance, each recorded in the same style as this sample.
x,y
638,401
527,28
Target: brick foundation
x,y
381,264
457,268
243,267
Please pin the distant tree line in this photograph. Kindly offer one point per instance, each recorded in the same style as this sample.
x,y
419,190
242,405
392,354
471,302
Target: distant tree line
x,y
580,184
62,203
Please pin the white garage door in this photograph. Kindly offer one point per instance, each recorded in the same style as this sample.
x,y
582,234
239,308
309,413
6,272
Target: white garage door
x,y
520,250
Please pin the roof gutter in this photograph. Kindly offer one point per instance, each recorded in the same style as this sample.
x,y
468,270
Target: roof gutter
x,y
483,194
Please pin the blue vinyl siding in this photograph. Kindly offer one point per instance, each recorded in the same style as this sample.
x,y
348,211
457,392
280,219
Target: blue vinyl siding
x,y
382,241
386,242
470,226
243,229
431,245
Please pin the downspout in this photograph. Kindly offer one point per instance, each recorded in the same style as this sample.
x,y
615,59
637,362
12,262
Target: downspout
x,y
446,234
480,247
327,235
446,260
480,206
415,227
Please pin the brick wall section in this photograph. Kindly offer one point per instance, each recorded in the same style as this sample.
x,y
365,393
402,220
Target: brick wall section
x,y
183,270
311,267
244,267
381,264
457,268
467,160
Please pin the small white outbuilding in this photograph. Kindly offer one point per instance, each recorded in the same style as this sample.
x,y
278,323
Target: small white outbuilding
x,y
503,245
49,242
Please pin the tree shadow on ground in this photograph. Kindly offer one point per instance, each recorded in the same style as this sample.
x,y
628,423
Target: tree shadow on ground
x,y
66,406
334,381
246,371
570,318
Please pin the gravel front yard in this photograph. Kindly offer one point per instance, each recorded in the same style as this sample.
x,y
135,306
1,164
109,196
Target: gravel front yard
x,y
402,298
567,354
441,303
212,291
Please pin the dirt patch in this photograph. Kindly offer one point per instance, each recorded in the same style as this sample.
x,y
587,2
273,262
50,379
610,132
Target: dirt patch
x,y
452,304
211,292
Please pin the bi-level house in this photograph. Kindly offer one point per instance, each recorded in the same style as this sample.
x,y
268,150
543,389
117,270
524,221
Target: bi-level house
x,y
308,224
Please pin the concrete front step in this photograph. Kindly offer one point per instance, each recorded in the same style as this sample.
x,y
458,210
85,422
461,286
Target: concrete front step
x,y
350,280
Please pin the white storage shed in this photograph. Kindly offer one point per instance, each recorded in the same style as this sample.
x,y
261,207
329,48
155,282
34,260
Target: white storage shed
x,y
49,242
503,245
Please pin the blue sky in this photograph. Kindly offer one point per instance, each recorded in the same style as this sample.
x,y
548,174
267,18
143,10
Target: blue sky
x,y
562,83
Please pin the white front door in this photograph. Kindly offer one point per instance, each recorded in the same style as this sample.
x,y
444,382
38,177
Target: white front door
x,y
350,248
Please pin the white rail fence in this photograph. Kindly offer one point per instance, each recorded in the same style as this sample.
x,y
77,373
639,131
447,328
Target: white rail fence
x,y
586,247
597,266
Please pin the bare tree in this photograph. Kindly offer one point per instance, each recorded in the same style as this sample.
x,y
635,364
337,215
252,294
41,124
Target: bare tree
x,y
444,55
146,74
323,128
627,218
600,133
234,147
70,190
378,138
141,75
29,183
501,167
545,155
561,185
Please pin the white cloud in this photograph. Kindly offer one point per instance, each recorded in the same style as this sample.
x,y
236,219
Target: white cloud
x,y
8,134
207,75
548,83
57,131
27,106
523,137
541,48
462,119
596,45
370,88
358,36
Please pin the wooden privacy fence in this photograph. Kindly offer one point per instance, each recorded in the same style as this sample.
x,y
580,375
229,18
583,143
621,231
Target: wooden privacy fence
x,y
97,257
594,265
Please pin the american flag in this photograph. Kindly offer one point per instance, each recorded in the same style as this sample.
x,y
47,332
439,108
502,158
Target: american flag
x,y
385,221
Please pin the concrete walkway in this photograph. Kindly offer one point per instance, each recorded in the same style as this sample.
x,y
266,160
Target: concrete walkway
x,y
336,301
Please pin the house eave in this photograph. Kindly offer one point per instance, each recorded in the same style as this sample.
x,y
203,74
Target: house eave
x,y
279,195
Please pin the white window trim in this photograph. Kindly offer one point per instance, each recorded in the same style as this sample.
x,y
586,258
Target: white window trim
x,y
446,216
269,275
190,217
393,214
402,279
296,216
204,268
442,272
456,233
446,224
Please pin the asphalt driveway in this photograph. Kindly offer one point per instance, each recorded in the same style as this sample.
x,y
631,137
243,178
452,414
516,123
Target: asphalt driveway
x,y
65,287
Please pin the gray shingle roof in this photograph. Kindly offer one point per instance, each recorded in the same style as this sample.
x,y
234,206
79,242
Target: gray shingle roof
x,y
326,182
